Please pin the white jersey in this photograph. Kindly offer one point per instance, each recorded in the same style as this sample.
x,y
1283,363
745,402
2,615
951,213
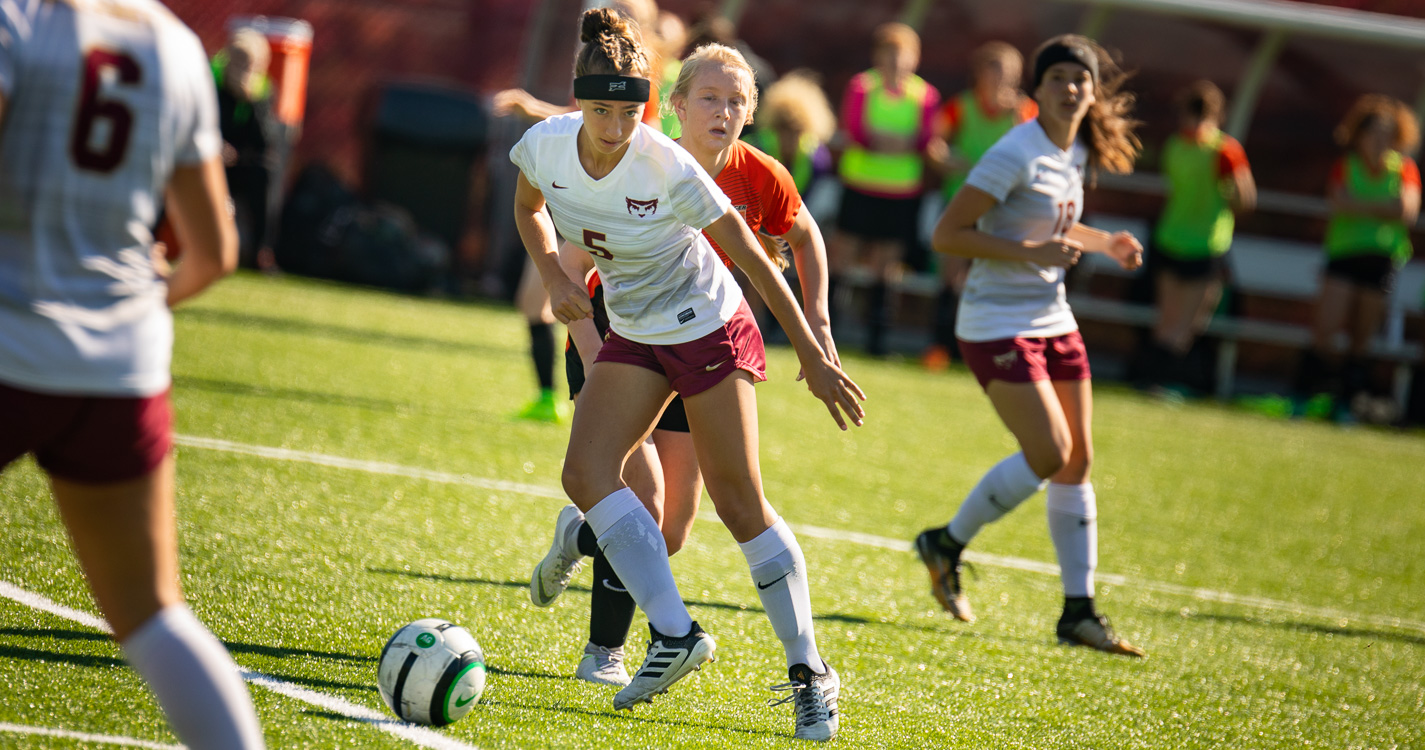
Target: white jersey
x,y
103,98
642,223
1040,189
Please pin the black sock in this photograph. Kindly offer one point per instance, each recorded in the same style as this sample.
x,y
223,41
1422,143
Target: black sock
x,y
588,543
541,336
945,308
1077,608
611,608
877,318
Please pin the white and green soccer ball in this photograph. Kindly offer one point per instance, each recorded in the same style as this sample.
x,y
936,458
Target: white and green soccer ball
x,y
431,672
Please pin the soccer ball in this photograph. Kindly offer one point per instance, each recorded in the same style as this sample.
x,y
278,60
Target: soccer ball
x,y
431,672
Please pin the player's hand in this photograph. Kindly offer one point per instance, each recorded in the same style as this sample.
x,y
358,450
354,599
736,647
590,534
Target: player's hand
x,y
1125,248
821,333
568,300
836,389
158,255
1061,252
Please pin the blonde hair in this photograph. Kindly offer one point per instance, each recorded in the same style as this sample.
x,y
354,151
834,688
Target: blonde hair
x,y
797,103
1372,108
252,43
711,56
612,46
896,35
996,52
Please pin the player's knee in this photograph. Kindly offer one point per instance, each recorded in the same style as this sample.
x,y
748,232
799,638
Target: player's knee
x,y
1048,460
674,540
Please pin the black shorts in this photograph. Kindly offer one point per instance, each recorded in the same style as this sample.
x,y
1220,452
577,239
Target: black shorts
x,y
1371,270
877,218
675,417
1212,268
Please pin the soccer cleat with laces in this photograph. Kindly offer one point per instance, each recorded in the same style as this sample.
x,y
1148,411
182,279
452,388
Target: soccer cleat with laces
x,y
602,666
667,661
1095,632
813,698
942,559
552,575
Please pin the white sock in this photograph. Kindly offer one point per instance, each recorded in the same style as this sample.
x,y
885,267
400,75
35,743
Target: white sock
x,y
780,572
631,541
1073,524
1000,491
195,681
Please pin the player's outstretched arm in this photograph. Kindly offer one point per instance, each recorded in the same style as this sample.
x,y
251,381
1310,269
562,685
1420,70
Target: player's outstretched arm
x,y
809,255
957,234
566,299
199,207
826,381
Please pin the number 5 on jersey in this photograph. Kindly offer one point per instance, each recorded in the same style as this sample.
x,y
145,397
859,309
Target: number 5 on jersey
x,y
592,240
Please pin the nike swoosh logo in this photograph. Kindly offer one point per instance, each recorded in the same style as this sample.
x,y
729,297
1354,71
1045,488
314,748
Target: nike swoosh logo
x,y
612,587
773,583
557,186
539,579
460,702
710,368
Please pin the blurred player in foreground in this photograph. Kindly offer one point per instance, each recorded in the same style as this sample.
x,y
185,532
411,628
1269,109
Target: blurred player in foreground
x,y
1018,217
108,107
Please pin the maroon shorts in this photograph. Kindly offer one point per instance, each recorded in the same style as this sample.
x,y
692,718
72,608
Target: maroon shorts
x,y
695,366
89,439
1024,360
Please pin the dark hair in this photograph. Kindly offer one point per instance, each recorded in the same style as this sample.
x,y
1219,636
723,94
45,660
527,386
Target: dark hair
x,y
1108,128
612,46
1372,108
1201,100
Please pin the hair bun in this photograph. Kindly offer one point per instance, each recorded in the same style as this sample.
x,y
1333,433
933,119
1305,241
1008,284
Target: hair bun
x,y
600,21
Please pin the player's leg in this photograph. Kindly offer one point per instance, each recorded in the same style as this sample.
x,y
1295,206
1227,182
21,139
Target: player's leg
x,y
1015,378
683,479
1072,513
618,406
943,346
885,257
533,303
1364,324
125,537
723,419
1318,372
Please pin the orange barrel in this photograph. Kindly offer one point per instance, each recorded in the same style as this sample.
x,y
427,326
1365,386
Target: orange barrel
x,y
291,43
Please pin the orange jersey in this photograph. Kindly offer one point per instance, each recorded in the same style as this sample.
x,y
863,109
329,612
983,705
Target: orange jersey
x,y
761,189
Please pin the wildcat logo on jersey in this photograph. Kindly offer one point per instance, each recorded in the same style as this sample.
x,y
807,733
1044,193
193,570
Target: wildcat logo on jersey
x,y
643,208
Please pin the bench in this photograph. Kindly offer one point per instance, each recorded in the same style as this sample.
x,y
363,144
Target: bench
x,y
1269,267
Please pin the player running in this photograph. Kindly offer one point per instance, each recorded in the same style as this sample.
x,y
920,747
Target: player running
x,y
714,98
108,106
1018,217
678,322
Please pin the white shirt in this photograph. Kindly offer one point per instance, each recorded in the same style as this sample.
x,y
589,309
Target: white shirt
x,y
642,224
1040,189
103,99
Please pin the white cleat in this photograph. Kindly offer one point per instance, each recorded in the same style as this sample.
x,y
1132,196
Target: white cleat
x,y
552,575
814,698
667,661
603,666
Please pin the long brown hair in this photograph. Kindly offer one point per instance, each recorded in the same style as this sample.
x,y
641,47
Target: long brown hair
x,y
612,46
1109,128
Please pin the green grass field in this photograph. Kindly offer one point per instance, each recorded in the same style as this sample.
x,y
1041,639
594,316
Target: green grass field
x,y
1306,541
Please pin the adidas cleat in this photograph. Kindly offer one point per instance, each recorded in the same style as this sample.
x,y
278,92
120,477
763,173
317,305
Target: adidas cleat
x,y
814,699
603,666
1095,632
552,575
667,661
943,562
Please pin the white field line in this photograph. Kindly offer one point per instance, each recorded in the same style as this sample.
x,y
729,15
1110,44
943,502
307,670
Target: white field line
x,y
106,739
419,735
855,537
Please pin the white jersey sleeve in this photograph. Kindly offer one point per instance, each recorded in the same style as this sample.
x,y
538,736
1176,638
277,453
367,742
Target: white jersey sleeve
x,y
999,172
195,102
1040,194
696,198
